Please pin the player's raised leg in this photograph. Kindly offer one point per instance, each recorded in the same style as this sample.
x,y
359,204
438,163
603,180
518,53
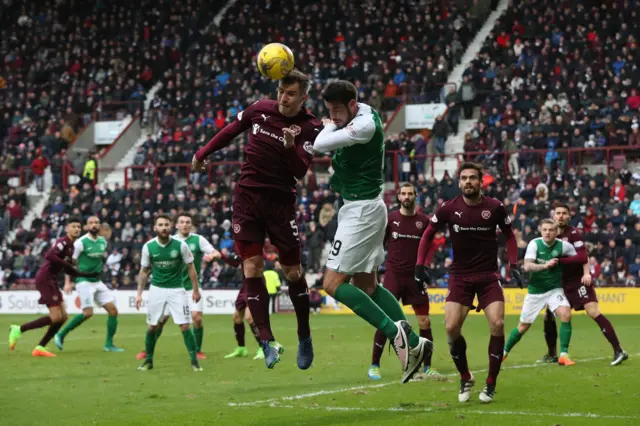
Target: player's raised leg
x,y
56,318
550,338
593,310
454,316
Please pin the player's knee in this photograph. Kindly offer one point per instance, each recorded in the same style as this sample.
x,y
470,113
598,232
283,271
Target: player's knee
x,y
496,325
237,318
253,267
185,327
424,322
330,286
592,311
292,273
564,314
88,313
197,319
453,329
523,327
153,328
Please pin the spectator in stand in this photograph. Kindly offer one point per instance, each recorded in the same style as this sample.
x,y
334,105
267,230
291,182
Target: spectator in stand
x,y
38,167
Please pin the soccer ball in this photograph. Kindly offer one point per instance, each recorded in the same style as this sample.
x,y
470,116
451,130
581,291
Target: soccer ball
x,y
275,60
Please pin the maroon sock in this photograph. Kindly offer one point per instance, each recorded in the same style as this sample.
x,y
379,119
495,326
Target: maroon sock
x,y
496,349
550,333
458,351
378,346
258,300
299,295
427,355
607,329
255,332
53,329
238,330
39,323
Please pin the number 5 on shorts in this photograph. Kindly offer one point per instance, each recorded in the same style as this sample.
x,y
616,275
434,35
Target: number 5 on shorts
x,y
294,226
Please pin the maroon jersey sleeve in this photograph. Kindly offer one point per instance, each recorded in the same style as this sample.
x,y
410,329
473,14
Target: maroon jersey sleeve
x,y
572,270
59,258
437,223
228,133
504,223
300,158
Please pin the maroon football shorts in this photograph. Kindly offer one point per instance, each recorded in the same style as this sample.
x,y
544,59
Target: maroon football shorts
x,y
403,286
241,300
50,294
463,289
258,213
579,295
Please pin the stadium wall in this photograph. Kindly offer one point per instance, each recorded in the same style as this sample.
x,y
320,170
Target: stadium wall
x,y
612,301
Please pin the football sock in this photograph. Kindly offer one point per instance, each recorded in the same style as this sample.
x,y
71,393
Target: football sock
x,y
378,346
150,340
514,338
198,334
37,323
53,329
427,354
565,336
190,343
159,331
458,351
550,333
360,303
258,301
609,332
496,346
390,306
256,333
238,331
299,295
75,321
112,327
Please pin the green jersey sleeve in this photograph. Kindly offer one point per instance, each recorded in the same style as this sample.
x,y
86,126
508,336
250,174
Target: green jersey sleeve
x,y
187,256
359,131
78,247
205,246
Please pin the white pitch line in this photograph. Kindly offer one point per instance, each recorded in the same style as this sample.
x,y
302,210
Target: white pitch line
x,y
434,410
381,385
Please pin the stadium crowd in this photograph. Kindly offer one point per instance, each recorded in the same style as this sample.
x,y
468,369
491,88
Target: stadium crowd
x,y
54,81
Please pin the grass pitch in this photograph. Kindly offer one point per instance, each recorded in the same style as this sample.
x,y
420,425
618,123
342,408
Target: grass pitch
x,y
85,386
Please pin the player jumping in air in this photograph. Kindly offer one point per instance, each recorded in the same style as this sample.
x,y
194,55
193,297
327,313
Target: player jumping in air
x,y
472,220
57,259
279,152
576,281
404,230
88,252
166,258
545,287
355,135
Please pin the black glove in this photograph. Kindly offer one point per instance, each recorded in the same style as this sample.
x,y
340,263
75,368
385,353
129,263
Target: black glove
x,y
516,275
422,277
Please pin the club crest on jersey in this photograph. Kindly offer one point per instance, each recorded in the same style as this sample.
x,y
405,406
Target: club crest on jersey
x,y
192,247
419,224
295,129
236,228
486,214
174,254
308,147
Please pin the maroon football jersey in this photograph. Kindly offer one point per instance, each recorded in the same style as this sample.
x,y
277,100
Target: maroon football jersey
x,y
403,235
472,230
268,164
62,248
572,273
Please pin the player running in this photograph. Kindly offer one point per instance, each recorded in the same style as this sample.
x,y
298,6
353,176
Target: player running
x,y
355,135
577,284
404,230
545,287
278,154
166,257
57,259
88,252
472,219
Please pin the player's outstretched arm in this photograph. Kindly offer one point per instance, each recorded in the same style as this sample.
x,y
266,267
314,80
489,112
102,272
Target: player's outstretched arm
x,y
53,256
573,255
299,157
359,131
532,266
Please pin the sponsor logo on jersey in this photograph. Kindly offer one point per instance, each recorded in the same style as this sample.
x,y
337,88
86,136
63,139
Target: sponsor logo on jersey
x,y
396,223
419,224
486,214
264,117
256,129
456,228
459,214
394,235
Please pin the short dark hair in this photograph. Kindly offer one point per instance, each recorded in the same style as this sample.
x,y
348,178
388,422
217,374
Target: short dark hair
x,y
162,216
468,165
185,214
74,219
563,206
341,91
297,76
408,185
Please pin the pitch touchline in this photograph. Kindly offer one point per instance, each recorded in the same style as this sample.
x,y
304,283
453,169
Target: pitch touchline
x,y
381,385
434,410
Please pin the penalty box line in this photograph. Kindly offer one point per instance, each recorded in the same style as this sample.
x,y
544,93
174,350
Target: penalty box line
x,y
381,385
457,411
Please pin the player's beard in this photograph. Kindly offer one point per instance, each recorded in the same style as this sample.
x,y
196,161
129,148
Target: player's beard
x,y
350,117
409,204
94,232
474,194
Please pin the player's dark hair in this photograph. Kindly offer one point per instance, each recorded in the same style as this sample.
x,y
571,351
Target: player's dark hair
x,y
297,76
408,185
74,219
185,214
468,165
161,216
563,206
340,91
